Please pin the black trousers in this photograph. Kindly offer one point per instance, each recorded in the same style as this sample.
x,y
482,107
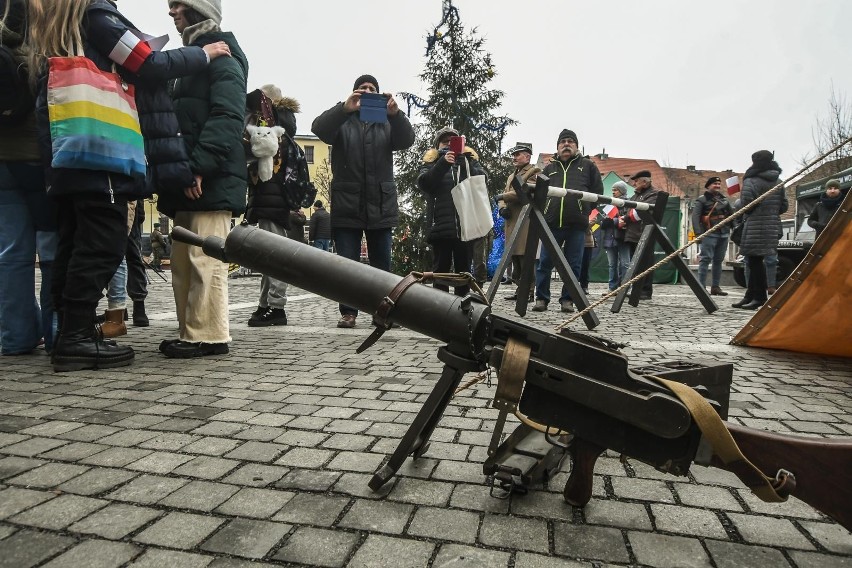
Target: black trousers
x,y
137,279
756,285
648,282
92,242
455,254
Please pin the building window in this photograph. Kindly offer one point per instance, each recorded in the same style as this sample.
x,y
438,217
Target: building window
x,y
309,154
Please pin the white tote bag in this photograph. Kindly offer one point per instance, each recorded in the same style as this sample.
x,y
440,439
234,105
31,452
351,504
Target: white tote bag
x,y
470,196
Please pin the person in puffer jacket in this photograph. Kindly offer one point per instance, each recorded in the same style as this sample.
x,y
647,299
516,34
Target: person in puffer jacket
x,y
440,172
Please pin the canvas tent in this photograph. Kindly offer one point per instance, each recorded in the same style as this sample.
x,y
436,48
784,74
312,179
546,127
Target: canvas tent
x,y
812,310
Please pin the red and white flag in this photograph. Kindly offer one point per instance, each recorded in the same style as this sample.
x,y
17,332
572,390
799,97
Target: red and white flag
x,y
608,210
733,184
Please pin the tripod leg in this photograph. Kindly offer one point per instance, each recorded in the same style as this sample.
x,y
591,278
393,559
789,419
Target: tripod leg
x,y
685,272
526,283
640,261
561,264
511,245
416,440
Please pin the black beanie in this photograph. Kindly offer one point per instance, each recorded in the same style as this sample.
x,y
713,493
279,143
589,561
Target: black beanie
x,y
567,134
762,157
711,181
366,79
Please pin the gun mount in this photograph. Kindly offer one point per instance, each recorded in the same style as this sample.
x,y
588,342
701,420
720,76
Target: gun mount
x,y
564,382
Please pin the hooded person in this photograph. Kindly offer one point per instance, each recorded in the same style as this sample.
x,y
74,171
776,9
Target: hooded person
x,y
210,107
364,202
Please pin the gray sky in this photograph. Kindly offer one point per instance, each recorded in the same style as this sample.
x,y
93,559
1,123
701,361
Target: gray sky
x,y
701,83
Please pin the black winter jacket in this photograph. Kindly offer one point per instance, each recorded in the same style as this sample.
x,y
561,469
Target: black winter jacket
x,y
703,206
320,225
633,230
363,190
436,180
210,107
763,224
581,174
824,211
103,26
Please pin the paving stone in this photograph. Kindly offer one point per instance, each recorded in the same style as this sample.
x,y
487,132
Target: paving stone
x,y
127,438
451,555
305,457
96,480
147,489
513,532
792,507
351,442
301,438
211,446
709,497
179,530
13,465
386,552
14,500
59,513
89,433
49,475
206,467
378,516
257,451
732,555
239,563
257,503
356,461
458,471
665,551
769,531
28,548
256,475
597,543
617,514
542,504
833,537
116,457
115,521
477,498
75,451
308,480
51,428
688,521
168,441
6,531
154,558
421,492
527,560
318,547
247,538
159,462
200,496
815,560
312,509
217,428
95,554
445,524
7,439
33,447
642,489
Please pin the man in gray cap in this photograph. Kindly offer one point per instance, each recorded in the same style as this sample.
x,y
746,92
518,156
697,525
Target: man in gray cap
x,y
363,190
633,225
510,209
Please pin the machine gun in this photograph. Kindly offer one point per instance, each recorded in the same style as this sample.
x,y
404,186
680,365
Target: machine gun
x,y
565,383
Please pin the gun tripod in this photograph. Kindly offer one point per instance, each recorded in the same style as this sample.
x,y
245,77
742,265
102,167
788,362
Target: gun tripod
x,y
532,218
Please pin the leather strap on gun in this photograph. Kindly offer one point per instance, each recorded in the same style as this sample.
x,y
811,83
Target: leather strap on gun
x,y
725,448
705,219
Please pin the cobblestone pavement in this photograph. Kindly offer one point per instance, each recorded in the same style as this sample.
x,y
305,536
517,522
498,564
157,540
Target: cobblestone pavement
x,y
262,457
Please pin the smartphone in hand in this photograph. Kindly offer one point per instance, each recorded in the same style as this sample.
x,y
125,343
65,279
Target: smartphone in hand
x,y
457,145
374,107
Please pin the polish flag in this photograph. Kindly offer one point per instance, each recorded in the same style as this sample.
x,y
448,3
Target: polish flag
x,y
610,211
733,184
130,51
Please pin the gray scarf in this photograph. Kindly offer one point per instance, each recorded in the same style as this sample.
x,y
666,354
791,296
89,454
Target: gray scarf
x,y
191,33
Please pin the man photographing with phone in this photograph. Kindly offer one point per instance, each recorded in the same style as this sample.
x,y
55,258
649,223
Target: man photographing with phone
x,y
363,191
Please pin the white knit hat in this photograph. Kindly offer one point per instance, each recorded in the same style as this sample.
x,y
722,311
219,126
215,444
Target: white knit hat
x,y
208,8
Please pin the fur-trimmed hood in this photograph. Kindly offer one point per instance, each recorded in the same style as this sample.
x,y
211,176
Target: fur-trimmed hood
x,y
287,103
432,154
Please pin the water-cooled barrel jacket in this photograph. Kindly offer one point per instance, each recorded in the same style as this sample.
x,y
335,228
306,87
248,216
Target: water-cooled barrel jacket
x,y
704,205
633,230
210,106
320,225
436,180
762,224
581,174
513,206
266,199
824,211
363,191
103,29
19,142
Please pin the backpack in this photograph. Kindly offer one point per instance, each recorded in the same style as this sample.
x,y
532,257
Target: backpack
x,y
16,99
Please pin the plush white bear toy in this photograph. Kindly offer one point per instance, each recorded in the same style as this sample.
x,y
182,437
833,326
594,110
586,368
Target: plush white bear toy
x,y
264,145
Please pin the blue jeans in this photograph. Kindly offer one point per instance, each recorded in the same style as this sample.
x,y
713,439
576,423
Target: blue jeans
x,y
572,241
117,289
27,227
618,258
714,247
323,244
347,243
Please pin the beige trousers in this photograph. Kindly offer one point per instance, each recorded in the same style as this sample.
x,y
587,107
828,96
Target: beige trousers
x,y
200,282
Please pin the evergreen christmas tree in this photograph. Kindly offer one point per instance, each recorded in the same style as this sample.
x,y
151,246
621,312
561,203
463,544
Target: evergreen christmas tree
x,y
457,72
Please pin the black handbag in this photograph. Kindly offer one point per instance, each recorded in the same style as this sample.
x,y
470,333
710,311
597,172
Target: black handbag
x,y
737,233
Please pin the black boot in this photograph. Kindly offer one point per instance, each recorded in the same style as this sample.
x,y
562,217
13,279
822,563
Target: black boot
x,y
140,318
79,348
743,302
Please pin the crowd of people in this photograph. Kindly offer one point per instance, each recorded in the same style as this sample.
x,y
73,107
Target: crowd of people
x,y
84,224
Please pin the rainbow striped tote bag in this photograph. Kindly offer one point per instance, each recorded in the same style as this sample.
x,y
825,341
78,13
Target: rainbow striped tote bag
x,y
94,124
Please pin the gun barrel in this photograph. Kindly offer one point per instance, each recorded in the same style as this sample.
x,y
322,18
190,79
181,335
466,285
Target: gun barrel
x,y
423,309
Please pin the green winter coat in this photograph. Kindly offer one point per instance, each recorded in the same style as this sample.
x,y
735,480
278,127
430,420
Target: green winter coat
x,y
210,107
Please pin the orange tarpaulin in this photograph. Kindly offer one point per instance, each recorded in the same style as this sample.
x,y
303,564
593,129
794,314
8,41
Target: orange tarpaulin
x,y
812,311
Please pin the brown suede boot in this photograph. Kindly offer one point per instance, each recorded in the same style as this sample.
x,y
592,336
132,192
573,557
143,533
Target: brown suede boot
x,y
113,325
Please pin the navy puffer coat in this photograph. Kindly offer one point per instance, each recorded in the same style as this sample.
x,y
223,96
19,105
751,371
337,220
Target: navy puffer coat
x,y
763,224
